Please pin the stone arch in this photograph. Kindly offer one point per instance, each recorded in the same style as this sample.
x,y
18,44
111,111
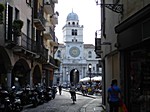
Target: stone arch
x,y
37,76
74,76
21,74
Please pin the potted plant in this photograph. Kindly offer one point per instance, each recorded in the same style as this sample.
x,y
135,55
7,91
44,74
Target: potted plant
x,y
1,8
17,26
1,12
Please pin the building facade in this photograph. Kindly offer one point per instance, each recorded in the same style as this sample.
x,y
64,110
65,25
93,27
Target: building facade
x,y
125,26
75,56
25,48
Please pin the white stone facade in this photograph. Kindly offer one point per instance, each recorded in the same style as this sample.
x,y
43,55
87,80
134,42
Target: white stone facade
x,y
74,54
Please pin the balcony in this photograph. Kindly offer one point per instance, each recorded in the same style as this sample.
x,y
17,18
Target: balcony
x,y
39,21
10,42
24,46
49,33
52,63
49,6
98,50
54,19
42,53
54,42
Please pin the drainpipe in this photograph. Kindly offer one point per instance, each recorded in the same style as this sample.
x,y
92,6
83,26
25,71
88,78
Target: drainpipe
x,y
103,61
32,36
103,18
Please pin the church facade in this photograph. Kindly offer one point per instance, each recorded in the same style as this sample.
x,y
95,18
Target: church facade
x,y
75,56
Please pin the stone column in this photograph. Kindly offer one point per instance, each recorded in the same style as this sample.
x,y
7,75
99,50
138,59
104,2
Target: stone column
x,y
31,78
9,77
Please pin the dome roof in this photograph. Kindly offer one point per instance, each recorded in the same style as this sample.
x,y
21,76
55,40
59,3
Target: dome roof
x,y
72,17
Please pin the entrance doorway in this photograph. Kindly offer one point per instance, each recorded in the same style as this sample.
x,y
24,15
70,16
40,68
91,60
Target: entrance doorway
x,y
74,76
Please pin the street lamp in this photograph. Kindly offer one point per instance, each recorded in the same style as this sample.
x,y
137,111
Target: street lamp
x,y
67,78
90,66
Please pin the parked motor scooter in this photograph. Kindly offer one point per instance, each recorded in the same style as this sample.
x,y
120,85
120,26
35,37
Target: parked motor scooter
x,y
47,94
54,91
33,96
40,93
15,100
5,104
29,96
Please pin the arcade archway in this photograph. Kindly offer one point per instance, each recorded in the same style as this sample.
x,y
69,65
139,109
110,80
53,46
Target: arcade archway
x,y
74,76
20,74
37,75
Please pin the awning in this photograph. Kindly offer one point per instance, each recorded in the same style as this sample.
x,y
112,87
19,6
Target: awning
x,y
96,78
85,79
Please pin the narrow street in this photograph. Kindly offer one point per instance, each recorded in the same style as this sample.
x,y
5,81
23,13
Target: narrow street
x,y
63,103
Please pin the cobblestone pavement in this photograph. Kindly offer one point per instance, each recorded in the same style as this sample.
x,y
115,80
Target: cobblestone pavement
x,y
94,105
63,103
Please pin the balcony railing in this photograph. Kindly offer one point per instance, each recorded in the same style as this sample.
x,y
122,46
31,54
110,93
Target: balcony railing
x,y
22,41
49,6
27,43
54,41
54,19
39,21
54,62
42,51
49,33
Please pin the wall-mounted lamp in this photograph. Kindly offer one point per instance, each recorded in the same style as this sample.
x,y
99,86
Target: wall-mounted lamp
x,y
116,7
90,67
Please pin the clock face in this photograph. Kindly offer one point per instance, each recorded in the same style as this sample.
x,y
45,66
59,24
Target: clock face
x,y
74,51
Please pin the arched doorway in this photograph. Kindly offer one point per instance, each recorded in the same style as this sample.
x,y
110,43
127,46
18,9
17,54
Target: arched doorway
x,y
36,75
20,74
74,76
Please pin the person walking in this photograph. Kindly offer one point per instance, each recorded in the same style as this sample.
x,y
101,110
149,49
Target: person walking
x,y
60,89
114,96
73,92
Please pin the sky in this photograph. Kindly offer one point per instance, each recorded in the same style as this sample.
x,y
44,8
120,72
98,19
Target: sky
x,y
88,13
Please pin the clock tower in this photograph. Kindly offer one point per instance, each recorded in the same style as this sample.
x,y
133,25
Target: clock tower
x,y
73,37
74,63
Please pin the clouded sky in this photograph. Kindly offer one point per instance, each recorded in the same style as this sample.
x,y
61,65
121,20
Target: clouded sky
x,y
88,13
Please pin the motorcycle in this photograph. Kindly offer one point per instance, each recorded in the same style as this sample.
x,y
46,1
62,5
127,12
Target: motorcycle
x,y
40,93
33,96
54,91
5,104
47,94
28,96
15,100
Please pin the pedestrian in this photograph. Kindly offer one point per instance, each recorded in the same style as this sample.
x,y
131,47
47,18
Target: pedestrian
x,y
73,91
60,89
114,96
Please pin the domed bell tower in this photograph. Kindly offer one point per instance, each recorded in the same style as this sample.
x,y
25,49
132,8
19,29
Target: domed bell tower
x,y
73,37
